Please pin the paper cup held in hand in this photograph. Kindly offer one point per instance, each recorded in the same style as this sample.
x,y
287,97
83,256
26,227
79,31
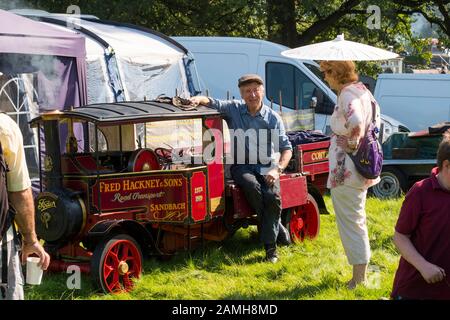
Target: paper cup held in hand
x,y
34,273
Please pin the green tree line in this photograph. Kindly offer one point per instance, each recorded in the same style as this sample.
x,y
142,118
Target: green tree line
x,y
293,23
289,22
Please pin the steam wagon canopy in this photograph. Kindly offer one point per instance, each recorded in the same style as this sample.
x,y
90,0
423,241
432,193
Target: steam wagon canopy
x,y
126,113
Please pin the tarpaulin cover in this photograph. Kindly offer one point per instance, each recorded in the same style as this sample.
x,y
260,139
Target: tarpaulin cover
x,y
425,146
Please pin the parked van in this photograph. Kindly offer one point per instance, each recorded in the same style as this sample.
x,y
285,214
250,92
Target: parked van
x,y
220,61
417,100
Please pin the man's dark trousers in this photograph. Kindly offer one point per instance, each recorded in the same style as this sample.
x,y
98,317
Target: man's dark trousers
x,y
263,199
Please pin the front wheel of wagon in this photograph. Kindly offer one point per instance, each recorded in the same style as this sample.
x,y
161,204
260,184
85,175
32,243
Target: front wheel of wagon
x,y
116,261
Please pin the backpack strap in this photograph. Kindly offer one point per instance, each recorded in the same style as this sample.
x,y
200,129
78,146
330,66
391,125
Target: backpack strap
x,y
373,103
4,206
4,246
1,155
4,281
374,111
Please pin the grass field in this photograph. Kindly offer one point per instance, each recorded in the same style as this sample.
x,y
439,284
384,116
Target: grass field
x,y
234,269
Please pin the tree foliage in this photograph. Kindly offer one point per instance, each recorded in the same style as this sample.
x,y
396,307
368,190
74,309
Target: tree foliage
x,y
436,12
176,17
289,22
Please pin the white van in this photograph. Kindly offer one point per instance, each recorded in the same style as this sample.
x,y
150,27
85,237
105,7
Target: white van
x,y
220,61
417,100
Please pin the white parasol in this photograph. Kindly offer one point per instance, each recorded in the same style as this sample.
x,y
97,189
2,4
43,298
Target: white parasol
x,y
339,49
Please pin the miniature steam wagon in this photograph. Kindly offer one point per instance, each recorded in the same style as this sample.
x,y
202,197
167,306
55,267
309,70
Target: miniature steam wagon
x,y
121,185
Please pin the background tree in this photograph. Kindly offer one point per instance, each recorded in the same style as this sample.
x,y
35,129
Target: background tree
x,y
289,22
436,12
176,17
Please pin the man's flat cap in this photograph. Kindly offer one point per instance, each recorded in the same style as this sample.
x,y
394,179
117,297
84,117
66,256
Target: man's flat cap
x,y
249,78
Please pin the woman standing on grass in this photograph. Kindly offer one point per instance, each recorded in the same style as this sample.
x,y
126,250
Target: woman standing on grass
x,y
349,123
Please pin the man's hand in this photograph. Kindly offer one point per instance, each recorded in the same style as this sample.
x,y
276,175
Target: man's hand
x,y
432,273
199,100
35,248
272,176
24,205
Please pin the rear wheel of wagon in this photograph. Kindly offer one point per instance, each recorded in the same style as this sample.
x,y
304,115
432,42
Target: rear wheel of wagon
x,y
116,262
304,221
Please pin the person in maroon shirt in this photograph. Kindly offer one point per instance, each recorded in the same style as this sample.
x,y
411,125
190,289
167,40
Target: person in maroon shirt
x,y
422,235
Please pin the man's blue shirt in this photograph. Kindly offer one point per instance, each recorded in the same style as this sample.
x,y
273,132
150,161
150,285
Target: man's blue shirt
x,y
266,123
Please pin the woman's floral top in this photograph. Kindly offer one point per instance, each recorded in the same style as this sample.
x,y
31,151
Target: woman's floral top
x,y
351,118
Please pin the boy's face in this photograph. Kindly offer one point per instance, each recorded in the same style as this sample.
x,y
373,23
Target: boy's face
x,y
445,172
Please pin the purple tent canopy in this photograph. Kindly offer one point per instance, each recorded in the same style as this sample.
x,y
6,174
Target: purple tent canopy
x,y
25,36
56,58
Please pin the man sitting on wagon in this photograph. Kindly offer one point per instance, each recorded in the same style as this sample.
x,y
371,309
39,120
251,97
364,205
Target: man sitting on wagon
x,y
256,171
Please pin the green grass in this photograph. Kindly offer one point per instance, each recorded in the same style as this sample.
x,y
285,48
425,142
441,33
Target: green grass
x,y
234,269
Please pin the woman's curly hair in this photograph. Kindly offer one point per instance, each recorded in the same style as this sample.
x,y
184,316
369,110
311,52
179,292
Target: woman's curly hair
x,y
342,71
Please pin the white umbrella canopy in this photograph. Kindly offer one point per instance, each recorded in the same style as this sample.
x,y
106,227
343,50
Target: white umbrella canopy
x,y
339,50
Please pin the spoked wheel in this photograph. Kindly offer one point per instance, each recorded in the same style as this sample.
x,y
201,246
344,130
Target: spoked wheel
x,y
116,261
304,221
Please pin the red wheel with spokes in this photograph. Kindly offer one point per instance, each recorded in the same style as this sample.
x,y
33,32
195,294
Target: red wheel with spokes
x,y
116,261
304,221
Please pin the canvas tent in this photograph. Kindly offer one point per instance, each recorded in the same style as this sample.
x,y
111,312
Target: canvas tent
x,y
146,64
149,64
22,39
131,63
41,68
127,62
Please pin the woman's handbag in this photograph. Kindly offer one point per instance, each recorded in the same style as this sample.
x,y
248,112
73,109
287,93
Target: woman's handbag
x,y
368,159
